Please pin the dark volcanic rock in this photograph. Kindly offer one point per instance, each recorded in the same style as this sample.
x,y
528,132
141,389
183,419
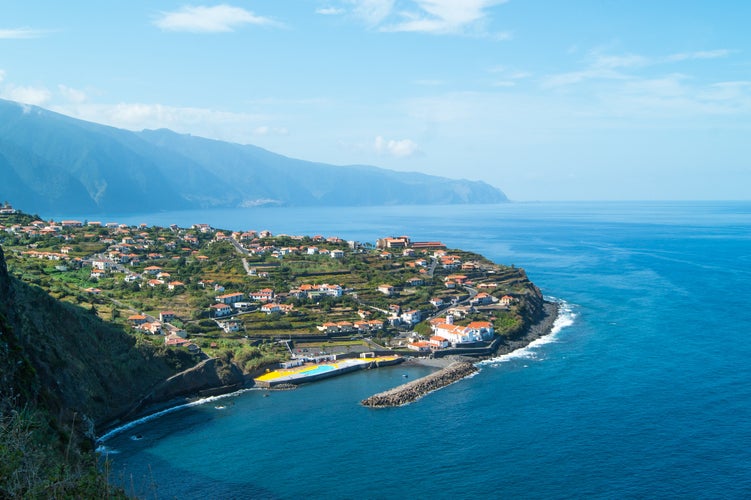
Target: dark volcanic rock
x,y
416,389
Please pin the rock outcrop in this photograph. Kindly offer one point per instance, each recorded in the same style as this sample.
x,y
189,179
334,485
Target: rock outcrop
x,y
209,377
416,389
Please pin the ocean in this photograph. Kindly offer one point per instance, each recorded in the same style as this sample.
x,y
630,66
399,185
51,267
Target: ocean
x,y
642,391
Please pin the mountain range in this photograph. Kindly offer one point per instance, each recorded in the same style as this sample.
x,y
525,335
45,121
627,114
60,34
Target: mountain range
x,y
50,162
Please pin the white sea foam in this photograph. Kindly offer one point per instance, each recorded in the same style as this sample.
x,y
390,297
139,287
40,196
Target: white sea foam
x,y
106,450
153,416
566,317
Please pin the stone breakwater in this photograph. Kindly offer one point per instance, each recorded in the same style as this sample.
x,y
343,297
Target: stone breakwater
x,y
416,389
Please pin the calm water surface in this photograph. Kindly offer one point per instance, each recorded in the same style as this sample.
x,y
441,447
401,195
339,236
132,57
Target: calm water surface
x,y
646,393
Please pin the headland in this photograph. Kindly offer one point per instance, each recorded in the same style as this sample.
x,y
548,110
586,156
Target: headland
x,y
215,310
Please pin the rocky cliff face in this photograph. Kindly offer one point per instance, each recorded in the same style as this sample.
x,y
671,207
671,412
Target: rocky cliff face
x,y
212,375
64,359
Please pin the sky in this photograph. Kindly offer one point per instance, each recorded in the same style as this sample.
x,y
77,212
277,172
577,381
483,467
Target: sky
x,y
546,100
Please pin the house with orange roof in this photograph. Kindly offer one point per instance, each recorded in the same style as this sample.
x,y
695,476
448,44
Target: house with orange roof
x,y
481,299
415,281
506,300
230,298
419,346
376,324
476,331
263,295
166,316
391,242
361,326
438,342
220,310
137,319
329,327
97,273
270,307
154,328
174,340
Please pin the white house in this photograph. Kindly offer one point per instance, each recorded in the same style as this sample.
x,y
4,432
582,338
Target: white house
x,y
270,307
230,298
474,332
264,295
411,317
420,346
481,299
220,310
438,342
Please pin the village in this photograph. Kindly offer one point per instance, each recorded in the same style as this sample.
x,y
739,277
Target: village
x,y
204,289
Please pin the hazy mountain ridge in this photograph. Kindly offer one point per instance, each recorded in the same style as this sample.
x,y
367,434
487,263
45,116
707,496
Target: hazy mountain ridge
x,y
51,162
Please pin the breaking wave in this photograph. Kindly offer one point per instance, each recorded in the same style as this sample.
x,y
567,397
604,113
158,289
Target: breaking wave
x,y
153,416
566,317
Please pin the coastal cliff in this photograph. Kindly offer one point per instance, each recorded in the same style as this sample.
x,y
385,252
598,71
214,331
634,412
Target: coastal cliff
x,y
62,371
209,377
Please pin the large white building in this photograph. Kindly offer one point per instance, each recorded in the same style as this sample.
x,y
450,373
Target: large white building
x,y
476,331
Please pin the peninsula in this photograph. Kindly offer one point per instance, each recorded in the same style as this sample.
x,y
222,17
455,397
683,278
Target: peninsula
x,y
101,321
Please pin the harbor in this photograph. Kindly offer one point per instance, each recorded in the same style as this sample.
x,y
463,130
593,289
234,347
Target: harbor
x,y
308,370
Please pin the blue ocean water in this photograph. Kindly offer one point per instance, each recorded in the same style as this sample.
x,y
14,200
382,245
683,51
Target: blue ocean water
x,y
643,392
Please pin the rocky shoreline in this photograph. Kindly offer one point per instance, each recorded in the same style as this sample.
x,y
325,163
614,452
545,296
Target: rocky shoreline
x,y
535,331
454,368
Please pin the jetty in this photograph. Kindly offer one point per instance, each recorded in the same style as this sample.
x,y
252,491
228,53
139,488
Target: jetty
x,y
416,389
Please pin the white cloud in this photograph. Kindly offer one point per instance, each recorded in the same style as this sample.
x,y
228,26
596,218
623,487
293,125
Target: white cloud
x,y
574,77
701,54
506,77
221,125
21,33
623,67
37,96
72,95
606,61
426,16
372,12
446,17
330,11
216,19
398,148
429,83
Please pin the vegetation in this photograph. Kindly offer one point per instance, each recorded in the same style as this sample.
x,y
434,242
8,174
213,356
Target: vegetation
x,y
34,463
207,262
80,346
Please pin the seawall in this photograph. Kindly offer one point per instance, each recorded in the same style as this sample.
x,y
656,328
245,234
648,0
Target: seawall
x,y
416,389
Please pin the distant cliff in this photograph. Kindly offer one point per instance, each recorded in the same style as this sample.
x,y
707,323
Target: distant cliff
x,y
53,163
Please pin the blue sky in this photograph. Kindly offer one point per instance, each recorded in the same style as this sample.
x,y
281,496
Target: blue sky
x,y
548,100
